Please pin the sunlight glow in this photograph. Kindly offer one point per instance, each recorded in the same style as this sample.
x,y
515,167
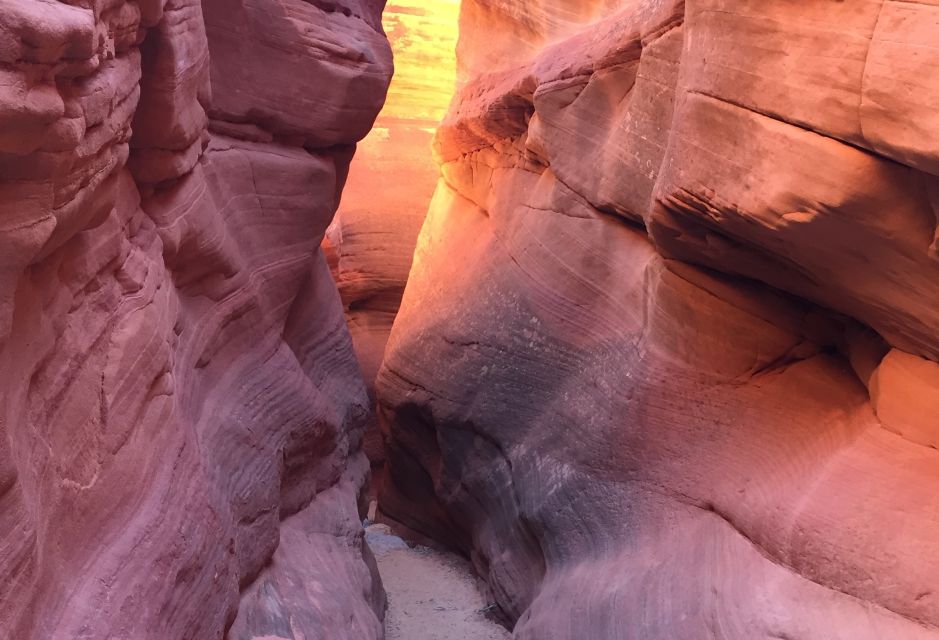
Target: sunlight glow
x,y
423,35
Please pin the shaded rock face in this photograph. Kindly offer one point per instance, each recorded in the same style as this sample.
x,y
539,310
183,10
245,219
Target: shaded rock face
x,y
391,181
178,378
666,361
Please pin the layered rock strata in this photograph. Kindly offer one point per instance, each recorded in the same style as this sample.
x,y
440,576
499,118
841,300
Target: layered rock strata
x,y
667,359
178,377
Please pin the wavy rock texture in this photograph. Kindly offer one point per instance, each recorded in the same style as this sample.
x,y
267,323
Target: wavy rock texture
x,y
392,179
496,34
666,364
178,375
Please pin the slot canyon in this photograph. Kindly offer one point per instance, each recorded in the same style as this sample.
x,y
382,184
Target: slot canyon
x,y
616,314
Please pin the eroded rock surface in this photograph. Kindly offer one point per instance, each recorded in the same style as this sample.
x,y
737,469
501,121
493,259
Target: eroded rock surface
x,y
178,377
666,360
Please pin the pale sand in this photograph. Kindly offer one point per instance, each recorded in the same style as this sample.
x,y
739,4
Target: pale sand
x,y
431,595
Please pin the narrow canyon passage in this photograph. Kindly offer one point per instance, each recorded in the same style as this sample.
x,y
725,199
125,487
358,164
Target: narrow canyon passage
x,y
431,594
600,320
392,178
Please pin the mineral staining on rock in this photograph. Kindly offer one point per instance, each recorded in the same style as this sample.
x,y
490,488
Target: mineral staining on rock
x,y
178,375
665,361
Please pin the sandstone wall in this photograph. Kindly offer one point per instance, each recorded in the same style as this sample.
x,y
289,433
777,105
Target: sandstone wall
x,y
666,365
177,375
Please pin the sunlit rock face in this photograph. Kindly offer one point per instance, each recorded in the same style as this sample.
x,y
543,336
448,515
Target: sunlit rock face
x,y
371,241
499,34
666,364
180,391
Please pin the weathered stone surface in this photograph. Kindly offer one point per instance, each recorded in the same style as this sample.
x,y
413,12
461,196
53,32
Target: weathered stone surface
x,y
905,395
311,72
639,368
178,377
495,34
316,569
778,195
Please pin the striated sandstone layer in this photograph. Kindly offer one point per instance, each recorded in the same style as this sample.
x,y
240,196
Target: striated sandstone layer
x,y
178,377
391,181
666,364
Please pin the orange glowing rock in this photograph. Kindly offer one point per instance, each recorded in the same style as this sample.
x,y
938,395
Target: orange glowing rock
x,y
392,179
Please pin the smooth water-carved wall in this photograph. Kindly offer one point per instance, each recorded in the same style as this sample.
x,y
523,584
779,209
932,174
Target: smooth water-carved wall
x,y
664,362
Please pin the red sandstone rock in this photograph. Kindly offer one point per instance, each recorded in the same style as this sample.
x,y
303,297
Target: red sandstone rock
x,y
638,372
311,72
496,34
316,571
177,373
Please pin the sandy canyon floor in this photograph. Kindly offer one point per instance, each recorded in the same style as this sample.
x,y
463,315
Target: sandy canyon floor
x,y
432,595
